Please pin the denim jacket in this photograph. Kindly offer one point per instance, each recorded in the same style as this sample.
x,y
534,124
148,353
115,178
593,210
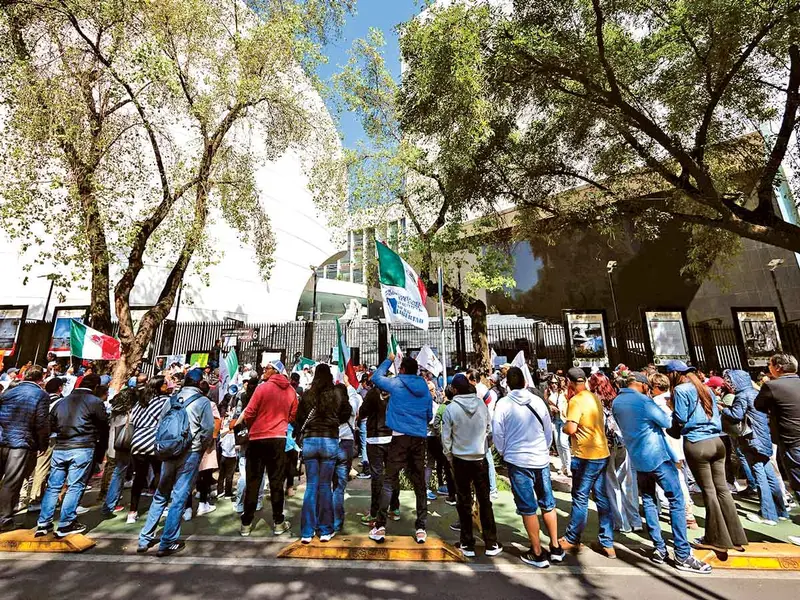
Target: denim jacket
x,y
642,424
695,423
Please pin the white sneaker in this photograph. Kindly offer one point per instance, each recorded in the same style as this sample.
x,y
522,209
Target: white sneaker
x,y
187,514
205,508
794,539
81,510
132,518
756,518
327,538
128,484
378,534
739,487
306,540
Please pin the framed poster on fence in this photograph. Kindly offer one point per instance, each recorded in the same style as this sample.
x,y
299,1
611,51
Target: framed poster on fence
x,y
758,332
59,341
11,319
587,337
666,335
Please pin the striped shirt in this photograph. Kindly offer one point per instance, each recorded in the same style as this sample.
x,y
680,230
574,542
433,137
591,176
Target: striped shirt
x,y
145,423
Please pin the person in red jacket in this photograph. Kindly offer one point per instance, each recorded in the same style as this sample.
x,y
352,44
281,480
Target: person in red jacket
x,y
268,414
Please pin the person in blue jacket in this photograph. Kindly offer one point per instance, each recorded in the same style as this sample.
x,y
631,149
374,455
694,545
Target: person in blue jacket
x,y
757,446
408,413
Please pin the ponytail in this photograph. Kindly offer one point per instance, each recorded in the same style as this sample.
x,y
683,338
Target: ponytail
x,y
703,393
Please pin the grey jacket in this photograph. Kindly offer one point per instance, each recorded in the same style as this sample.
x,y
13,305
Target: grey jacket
x,y
201,418
465,428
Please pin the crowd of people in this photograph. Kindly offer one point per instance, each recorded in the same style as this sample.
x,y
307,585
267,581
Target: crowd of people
x,y
638,442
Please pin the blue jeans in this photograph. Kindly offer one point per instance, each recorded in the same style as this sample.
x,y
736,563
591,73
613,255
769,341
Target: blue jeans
x,y
115,485
241,484
588,475
319,456
176,483
362,430
492,472
769,490
532,489
341,472
746,470
666,476
72,466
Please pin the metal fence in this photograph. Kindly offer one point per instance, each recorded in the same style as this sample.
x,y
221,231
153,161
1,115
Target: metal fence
x,y
715,346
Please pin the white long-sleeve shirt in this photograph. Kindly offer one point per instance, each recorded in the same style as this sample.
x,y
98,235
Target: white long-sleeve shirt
x,y
518,435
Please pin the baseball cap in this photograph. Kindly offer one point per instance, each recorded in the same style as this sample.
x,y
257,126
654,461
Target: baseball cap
x,y
459,378
52,385
195,374
715,382
639,377
576,374
678,366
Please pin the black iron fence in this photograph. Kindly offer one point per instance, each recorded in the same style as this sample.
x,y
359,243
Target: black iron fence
x,y
715,346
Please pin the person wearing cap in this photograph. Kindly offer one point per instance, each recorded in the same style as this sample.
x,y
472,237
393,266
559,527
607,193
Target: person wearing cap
x,y
267,415
590,454
641,423
465,430
696,418
24,430
178,475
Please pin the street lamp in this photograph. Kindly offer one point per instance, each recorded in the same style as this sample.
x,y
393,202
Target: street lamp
x,y
314,300
772,265
610,266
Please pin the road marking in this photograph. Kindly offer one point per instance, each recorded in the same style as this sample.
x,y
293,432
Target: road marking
x,y
504,568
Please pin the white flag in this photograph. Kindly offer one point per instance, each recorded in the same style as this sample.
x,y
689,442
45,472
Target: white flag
x,y
519,361
427,360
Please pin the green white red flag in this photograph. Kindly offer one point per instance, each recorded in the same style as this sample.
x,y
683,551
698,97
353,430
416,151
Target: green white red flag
x,y
346,366
89,343
403,291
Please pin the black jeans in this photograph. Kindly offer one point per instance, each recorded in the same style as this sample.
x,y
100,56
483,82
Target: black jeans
x,y
141,465
706,459
227,467
444,475
407,452
204,482
15,466
467,474
269,454
292,457
376,455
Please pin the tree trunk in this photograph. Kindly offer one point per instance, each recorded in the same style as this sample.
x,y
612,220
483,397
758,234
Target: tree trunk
x,y
480,334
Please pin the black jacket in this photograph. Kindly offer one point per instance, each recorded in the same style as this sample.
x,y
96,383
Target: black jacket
x,y
374,411
324,423
781,399
79,420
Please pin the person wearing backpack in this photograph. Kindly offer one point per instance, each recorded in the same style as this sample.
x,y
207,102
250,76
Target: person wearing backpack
x,y
185,430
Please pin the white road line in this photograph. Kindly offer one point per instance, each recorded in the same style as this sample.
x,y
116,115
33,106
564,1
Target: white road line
x,y
355,565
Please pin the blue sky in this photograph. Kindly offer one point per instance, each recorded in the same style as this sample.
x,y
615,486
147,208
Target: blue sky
x,y
383,14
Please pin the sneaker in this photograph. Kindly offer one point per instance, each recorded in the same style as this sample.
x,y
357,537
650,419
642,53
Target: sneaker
x,y
794,539
368,520
34,507
171,549
395,514
442,490
536,560
569,546
119,508
756,518
81,510
142,548
783,518
306,540
105,516
327,538
421,536
739,487
43,530
431,496
132,518
494,550
455,526
450,501
187,514
659,556
281,528
692,565
128,484
557,555
205,508
467,551
245,530
378,534
148,493
363,475
70,529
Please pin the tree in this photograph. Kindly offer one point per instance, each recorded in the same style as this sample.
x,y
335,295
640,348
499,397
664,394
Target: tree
x,y
589,111
161,101
396,174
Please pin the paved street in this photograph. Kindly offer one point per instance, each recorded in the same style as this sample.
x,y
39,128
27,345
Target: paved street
x,y
218,560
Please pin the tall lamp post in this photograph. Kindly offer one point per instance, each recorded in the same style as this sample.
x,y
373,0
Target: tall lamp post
x,y
772,265
314,299
610,266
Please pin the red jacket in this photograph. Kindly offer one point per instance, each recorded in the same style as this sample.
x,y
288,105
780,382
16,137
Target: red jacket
x,y
271,409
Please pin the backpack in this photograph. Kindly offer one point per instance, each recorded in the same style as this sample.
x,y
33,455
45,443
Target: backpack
x,y
173,437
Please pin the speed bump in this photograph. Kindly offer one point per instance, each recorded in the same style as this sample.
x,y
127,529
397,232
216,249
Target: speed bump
x,y
23,540
756,556
354,547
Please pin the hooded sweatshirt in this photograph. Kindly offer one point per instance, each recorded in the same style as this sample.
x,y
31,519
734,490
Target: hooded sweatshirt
x,y
760,440
465,427
410,407
518,435
271,409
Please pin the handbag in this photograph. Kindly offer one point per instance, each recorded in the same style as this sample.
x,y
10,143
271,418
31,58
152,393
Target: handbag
x,y
299,437
123,436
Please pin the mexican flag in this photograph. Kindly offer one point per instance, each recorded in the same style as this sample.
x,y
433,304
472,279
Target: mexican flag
x,y
302,363
394,348
89,343
228,372
345,363
403,291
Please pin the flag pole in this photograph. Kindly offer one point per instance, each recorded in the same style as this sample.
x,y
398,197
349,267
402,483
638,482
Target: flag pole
x,y
442,351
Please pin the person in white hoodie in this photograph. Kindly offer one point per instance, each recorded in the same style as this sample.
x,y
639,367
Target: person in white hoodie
x,y
523,432
465,428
